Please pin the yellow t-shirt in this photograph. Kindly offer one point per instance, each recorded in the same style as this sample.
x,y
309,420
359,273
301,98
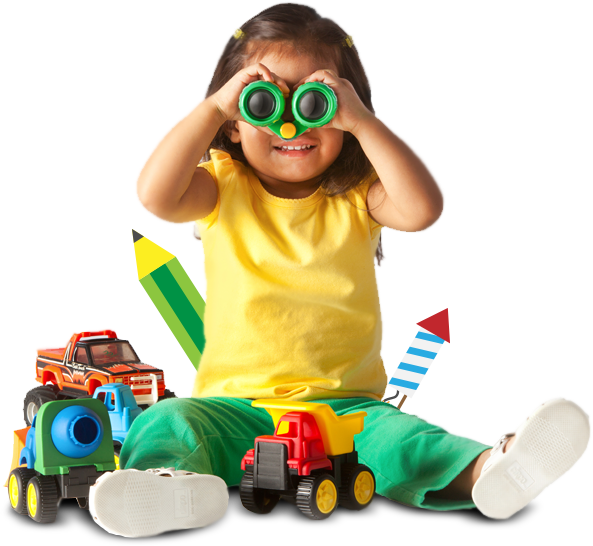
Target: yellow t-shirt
x,y
292,307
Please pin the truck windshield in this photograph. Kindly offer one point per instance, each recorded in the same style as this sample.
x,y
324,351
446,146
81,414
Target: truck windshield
x,y
109,353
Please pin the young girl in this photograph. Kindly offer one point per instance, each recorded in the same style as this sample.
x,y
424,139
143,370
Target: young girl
x,y
289,231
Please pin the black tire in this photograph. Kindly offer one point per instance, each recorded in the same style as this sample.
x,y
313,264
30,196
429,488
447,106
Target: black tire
x,y
44,507
259,501
17,488
167,394
317,496
358,486
35,398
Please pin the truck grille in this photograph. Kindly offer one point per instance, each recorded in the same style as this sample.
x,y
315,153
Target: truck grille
x,y
270,470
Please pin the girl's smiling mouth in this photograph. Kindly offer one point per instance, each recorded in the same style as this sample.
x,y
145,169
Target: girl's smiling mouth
x,y
295,149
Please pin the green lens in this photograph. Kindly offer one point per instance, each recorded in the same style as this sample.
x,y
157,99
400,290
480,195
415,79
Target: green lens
x,y
261,103
314,104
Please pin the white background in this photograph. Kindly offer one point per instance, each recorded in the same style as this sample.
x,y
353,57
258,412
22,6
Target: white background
x,y
495,97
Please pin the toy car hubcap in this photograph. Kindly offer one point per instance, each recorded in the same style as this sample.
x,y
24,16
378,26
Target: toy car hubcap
x,y
327,496
32,410
363,487
32,500
13,491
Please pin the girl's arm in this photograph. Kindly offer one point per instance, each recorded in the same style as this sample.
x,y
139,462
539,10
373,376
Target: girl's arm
x,y
170,185
413,201
405,197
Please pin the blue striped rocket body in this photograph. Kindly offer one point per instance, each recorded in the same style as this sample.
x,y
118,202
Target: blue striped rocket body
x,y
414,365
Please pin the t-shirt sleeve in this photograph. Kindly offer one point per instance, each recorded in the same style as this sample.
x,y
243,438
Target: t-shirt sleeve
x,y
220,168
363,189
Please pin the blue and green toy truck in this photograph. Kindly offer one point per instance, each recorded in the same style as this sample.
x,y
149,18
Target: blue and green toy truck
x,y
122,408
68,447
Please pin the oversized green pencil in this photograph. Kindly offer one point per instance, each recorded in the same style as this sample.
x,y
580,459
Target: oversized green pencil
x,y
174,295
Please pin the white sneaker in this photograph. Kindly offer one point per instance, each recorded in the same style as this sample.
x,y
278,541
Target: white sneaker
x,y
552,439
135,503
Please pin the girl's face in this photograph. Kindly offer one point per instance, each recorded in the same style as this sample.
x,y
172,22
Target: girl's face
x,y
290,173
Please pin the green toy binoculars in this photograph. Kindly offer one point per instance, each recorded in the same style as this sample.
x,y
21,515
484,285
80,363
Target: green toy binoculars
x,y
313,104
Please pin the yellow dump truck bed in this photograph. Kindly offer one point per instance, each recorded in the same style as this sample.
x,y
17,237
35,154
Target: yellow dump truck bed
x,y
337,432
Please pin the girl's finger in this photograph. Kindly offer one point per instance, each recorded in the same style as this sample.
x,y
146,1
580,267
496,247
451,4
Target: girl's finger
x,y
281,84
256,72
326,76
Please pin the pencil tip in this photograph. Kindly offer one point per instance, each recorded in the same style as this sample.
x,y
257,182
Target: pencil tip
x,y
136,236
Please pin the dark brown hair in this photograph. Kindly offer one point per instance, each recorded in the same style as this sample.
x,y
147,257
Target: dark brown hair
x,y
302,28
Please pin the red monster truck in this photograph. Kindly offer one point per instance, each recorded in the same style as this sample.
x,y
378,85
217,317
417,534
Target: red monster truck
x,y
92,359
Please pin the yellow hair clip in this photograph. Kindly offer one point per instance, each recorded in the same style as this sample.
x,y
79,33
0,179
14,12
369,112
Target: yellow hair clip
x,y
348,41
238,34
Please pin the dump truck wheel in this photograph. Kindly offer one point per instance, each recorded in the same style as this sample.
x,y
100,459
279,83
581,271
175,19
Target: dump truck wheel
x,y
42,499
17,488
35,398
358,486
255,500
317,496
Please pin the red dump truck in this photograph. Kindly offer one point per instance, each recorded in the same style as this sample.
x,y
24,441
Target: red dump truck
x,y
310,461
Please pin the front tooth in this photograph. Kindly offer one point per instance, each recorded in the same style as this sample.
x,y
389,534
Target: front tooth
x,y
291,147
297,147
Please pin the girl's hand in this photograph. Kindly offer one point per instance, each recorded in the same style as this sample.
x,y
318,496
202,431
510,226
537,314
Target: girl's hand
x,y
227,97
351,111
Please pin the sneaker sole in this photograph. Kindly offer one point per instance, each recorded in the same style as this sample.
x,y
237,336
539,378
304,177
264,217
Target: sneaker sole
x,y
529,465
133,503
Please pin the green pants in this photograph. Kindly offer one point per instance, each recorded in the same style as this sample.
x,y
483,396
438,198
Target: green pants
x,y
408,456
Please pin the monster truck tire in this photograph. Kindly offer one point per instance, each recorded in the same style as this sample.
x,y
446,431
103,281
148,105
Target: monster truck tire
x,y
167,394
35,398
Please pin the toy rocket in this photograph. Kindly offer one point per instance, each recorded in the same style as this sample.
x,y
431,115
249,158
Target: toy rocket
x,y
431,336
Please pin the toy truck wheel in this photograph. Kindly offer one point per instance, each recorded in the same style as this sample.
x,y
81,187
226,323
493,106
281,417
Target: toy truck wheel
x,y
35,398
358,486
167,394
317,496
42,499
256,500
17,488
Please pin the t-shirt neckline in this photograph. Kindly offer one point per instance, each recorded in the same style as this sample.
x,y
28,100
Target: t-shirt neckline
x,y
267,197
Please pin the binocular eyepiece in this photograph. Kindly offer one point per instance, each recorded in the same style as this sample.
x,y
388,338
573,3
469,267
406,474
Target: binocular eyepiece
x,y
313,104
